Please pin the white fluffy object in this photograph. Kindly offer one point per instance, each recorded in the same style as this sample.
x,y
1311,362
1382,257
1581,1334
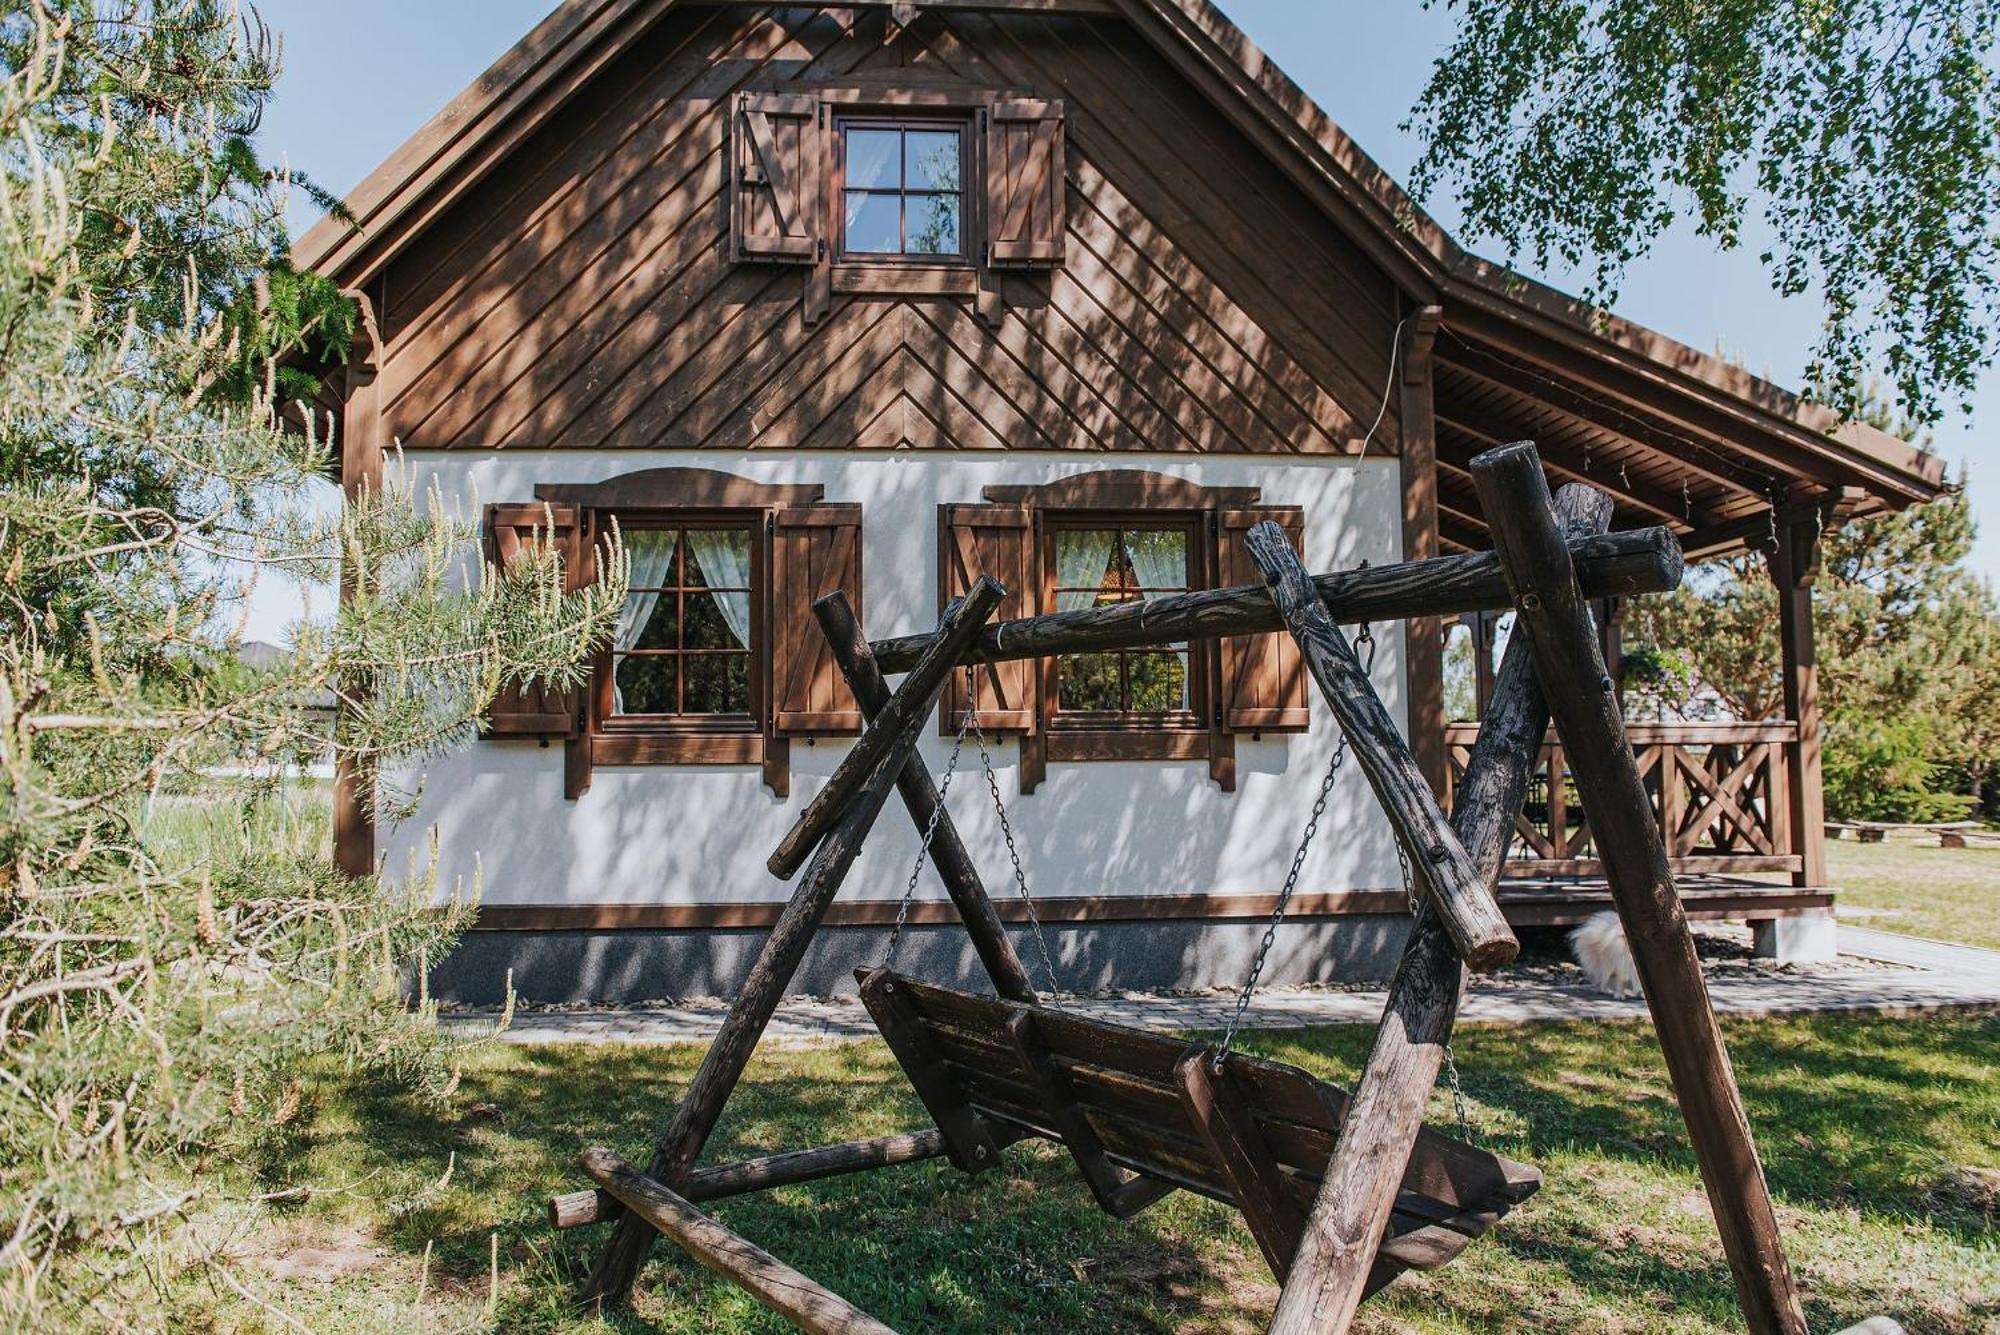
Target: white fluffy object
x,y
1599,945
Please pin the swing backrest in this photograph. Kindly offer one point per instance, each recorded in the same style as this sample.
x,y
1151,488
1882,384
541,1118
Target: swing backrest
x,y
1130,1087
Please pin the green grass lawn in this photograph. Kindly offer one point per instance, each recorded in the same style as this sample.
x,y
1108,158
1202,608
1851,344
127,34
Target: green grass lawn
x,y
1947,894
1882,1140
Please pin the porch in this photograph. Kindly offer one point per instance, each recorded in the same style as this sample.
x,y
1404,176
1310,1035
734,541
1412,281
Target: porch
x,y
1726,796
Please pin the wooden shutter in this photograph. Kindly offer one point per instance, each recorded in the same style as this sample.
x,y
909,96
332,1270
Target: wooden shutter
x,y
815,549
777,197
1024,184
511,532
1263,676
996,540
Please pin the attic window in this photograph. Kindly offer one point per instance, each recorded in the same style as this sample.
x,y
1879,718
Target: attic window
x,y
902,189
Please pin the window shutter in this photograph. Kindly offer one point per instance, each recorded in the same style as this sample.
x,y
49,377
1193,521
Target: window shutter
x,y
511,531
777,199
1024,184
996,540
1263,676
815,549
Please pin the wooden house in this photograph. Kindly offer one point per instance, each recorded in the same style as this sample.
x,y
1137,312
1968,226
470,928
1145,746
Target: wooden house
x,y
879,296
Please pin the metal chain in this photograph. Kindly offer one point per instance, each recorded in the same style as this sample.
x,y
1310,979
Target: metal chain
x,y
1366,641
924,845
1013,853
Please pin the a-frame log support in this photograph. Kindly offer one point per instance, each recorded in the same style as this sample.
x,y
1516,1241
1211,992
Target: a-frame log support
x,y
1335,1261
1464,903
948,852
695,1116
1551,608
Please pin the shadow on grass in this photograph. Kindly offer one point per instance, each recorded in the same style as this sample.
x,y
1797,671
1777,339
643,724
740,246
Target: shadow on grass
x,y
1852,1114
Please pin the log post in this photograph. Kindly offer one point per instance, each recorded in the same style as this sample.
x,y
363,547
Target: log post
x,y
1551,608
810,1306
1466,905
1641,561
1423,637
948,852
695,1116
361,461
933,665
1336,1253
1794,565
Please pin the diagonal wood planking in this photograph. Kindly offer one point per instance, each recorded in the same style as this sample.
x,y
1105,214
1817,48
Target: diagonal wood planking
x,y
586,299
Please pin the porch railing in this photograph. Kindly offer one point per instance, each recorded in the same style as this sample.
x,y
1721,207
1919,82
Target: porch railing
x,y
1720,793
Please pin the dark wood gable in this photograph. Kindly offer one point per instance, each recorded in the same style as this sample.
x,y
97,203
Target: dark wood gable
x,y
1138,278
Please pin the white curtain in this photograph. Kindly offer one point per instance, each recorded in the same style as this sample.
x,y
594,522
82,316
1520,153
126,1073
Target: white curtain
x,y
723,554
652,553
1159,557
1082,555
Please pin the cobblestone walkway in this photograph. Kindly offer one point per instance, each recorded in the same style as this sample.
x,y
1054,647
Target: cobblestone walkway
x,y
1925,976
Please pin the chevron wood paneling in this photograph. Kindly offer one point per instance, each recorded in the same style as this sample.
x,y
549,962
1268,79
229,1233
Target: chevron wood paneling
x,y
584,297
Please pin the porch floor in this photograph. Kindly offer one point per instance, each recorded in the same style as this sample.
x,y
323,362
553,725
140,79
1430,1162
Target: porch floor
x,y
1554,901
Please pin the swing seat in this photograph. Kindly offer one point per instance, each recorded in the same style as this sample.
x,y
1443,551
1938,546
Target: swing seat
x,y
1143,1114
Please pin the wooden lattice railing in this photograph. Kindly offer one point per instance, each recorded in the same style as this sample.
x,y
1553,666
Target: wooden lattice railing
x,y
1719,791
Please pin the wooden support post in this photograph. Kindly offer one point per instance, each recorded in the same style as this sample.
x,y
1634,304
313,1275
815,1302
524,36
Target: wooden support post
x,y
968,1139
1470,913
1255,1179
948,852
694,1117
577,1208
362,448
1423,637
1335,1262
1794,566
933,666
1640,561
1120,1195
1515,497
808,1305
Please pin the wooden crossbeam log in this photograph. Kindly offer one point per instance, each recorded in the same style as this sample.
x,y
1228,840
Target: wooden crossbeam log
x,y
1552,610
805,1303
1646,560
1335,1266
1464,903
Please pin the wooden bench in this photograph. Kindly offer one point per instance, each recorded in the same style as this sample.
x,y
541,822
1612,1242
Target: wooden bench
x,y
1143,1114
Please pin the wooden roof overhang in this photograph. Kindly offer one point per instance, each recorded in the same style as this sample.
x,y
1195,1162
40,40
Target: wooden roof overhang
x,y
1676,435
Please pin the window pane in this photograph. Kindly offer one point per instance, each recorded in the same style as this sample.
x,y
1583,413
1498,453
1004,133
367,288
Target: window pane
x,y
874,224
1158,680
1158,557
644,685
717,683
654,627
713,620
1083,557
652,552
718,558
1087,681
872,159
934,225
931,159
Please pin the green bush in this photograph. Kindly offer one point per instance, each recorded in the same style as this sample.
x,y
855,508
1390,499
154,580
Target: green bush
x,y
1882,770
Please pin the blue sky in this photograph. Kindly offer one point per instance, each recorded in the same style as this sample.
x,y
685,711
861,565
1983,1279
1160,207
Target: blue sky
x,y
360,76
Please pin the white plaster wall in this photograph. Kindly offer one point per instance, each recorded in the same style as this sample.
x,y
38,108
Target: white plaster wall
x,y
676,835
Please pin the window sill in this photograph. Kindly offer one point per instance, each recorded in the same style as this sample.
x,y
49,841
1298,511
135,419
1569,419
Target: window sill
x,y
905,279
679,748
1079,744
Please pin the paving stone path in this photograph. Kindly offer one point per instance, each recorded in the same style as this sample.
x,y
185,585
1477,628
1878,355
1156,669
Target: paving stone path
x,y
1920,976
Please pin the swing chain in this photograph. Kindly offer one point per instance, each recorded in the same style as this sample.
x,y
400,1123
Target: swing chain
x,y
1458,1105
1013,853
924,845
1364,641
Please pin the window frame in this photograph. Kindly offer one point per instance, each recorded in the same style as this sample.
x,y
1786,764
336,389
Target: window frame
x,y
1201,680
904,120
605,723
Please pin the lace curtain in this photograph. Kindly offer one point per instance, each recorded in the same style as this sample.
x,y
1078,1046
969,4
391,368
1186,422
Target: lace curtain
x,y
723,556
652,553
1082,555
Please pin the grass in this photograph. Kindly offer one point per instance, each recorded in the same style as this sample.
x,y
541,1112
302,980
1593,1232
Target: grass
x,y
1879,1139
1947,894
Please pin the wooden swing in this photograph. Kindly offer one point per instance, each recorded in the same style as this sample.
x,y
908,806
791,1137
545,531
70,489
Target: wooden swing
x,y
1341,1194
